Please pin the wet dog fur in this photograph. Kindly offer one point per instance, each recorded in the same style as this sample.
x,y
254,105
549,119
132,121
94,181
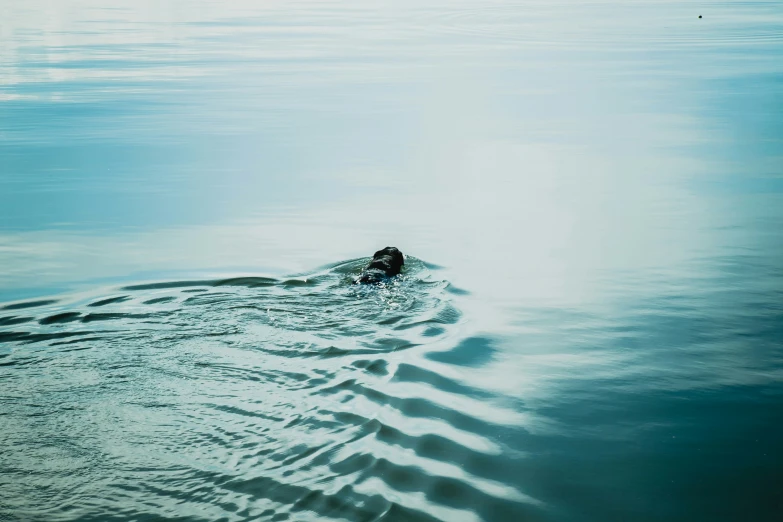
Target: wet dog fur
x,y
385,263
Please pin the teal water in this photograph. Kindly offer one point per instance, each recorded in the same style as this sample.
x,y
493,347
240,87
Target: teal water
x,y
589,326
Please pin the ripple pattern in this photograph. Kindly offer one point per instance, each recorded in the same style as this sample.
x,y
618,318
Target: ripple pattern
x,y
248,398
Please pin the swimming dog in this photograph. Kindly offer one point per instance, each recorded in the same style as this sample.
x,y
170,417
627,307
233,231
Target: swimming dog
x,y
385,263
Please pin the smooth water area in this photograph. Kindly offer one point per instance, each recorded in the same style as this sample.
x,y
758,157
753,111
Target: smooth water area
x,y
589,326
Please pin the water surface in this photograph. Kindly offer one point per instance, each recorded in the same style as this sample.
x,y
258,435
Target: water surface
x,y
589,326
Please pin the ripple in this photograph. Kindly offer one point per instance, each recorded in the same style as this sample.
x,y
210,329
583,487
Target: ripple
x,y
256,398
64,317
29,304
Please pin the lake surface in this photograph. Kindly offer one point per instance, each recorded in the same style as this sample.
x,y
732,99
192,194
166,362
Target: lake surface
x,y
589,326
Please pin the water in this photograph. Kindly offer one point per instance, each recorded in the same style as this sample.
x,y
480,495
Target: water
x,y
589,327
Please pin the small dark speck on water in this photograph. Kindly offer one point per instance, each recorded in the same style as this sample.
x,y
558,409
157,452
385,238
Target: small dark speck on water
x,y
699,16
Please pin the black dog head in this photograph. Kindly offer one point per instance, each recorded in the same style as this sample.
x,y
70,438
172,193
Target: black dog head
x,y
385,263
389,260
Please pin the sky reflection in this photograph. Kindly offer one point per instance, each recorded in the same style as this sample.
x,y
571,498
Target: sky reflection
x,y
144,139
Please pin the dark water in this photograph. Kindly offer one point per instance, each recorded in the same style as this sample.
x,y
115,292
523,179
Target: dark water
x,y
589,327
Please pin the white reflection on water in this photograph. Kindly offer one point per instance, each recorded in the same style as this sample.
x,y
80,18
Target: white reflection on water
x,y
518,218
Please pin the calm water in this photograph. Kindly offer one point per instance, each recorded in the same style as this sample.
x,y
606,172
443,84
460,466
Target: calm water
x,y
589,327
